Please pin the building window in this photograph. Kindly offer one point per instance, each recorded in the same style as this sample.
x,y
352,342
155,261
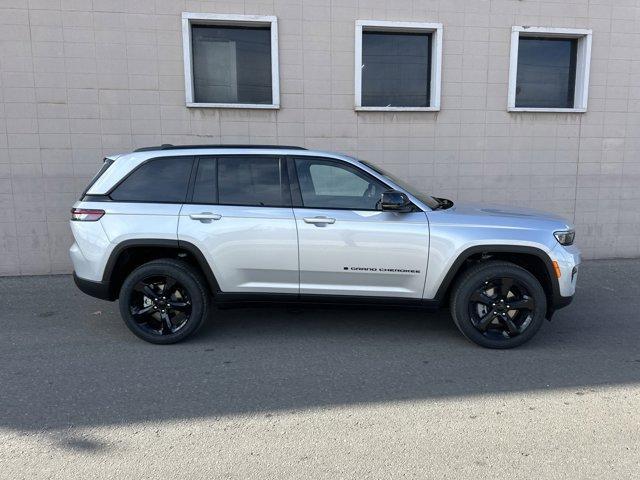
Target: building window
x,y
549,69
398,66
230,61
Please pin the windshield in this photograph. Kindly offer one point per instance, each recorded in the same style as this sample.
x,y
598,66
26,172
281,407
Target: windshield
x,y
428,200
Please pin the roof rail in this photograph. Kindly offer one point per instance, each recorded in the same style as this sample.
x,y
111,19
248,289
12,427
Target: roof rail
x,y
168,146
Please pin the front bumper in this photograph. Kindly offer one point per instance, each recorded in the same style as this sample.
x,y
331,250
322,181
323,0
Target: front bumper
x,y
568,259
561,302
101,290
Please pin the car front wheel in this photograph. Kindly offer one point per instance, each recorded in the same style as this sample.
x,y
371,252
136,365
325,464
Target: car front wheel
x,y
498,304
164,301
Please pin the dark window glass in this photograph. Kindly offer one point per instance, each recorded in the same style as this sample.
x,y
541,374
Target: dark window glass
x,y
332,185
159,180
231,64
251,181
204,188
396,69
546,72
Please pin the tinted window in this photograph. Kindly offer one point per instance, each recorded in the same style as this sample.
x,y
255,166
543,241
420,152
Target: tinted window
x,y
231,64
159,180
326,184
396,69
546,72
251,181
330,180
204,188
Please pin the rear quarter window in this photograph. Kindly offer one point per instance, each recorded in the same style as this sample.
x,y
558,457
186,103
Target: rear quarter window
x,y
159,180
107,162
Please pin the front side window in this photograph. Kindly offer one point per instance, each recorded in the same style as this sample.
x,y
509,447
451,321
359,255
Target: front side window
x,y
160,180
231,61
426,199
549,69
397,65
325,184
255,181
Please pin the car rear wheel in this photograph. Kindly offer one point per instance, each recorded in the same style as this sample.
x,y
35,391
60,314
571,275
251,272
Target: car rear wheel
x,y
164,301
498,305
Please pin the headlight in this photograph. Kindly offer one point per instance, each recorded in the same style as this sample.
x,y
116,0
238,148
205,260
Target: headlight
x,y
565,237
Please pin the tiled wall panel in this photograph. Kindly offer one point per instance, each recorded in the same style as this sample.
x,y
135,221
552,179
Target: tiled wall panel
x,y
80,79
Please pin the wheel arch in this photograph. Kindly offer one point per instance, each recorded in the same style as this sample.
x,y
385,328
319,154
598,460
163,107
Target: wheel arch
x,y
532,259
129,254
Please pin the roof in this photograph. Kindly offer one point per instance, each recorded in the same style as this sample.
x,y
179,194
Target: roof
x,y
168,146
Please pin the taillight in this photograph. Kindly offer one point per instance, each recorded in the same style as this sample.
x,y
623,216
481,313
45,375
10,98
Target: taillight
x,y
86,214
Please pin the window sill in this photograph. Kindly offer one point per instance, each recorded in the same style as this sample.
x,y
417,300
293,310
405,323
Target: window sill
x,y
547,110
397,109
260,106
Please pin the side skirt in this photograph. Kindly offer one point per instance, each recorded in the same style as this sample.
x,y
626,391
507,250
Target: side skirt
x,y
230,300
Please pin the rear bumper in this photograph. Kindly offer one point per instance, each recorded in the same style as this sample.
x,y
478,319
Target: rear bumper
x,y
101,290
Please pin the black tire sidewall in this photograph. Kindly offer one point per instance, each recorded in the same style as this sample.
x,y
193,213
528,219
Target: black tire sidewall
x,y
470,282
187,278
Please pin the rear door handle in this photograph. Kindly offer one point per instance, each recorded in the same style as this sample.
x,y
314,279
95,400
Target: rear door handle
x,y
205,217
319,221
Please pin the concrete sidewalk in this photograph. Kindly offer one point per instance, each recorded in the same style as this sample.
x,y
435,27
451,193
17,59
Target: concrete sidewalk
x,y
318,393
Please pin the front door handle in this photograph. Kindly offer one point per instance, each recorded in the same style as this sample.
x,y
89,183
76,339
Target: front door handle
x,y
319,221
205,217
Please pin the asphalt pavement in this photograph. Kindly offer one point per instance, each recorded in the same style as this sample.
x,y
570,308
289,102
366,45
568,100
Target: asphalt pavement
x,y
317,393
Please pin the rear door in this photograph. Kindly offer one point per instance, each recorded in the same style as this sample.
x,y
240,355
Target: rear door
x,y
239,215
347,245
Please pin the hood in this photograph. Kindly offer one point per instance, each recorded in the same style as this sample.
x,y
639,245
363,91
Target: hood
x,y
501,214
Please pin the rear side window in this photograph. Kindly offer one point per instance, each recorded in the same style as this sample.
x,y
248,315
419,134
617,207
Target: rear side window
x,y
252,181
160,180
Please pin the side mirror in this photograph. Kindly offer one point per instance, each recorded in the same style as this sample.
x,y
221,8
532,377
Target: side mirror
x,y
395,201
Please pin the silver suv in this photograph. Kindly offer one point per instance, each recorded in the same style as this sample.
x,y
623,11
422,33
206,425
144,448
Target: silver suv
x,y
170,229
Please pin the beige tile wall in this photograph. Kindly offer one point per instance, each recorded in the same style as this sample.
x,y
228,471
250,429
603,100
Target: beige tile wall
x,y
80,79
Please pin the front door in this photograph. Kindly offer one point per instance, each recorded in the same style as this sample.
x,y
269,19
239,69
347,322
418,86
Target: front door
x,y
239,215
347,246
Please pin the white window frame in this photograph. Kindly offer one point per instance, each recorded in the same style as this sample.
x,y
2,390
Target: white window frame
x,y
189,19
436,60
583,62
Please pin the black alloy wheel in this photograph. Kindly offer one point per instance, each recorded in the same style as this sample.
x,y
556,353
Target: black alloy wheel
x,y
160,305
164,301
498,304
501,307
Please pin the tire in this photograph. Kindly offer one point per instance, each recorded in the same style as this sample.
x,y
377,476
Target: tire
x,y
483,312
145,306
